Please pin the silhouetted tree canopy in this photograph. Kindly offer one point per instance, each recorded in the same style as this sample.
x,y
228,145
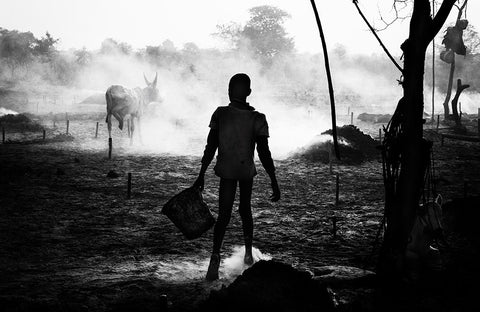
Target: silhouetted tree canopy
x,y
45,46
264,33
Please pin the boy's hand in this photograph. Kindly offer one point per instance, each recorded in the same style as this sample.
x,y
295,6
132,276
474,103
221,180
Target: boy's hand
x,y
276,191
200,182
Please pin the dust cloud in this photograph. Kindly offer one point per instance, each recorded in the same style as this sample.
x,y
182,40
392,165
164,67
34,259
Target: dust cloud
x,y
291,91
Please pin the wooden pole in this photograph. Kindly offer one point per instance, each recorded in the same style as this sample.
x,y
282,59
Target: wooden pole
x,y
380,134
68,125
438,121
44,134
478,122
433,69
96,131
329,80
337,191
129,185
330,157
351,118
110,148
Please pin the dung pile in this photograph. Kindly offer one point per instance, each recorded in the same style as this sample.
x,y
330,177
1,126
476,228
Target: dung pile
x,y
271,286
354,145
20,122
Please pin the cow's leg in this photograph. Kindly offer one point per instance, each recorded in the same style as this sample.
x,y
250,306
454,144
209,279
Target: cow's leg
x,y
119,117
129,127
139,131
132,128
109,125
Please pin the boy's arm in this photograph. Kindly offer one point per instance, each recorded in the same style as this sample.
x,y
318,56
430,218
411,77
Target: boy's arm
x,y
208,154
267,162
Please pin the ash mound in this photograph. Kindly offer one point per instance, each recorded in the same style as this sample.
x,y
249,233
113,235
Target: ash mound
x,y
20,122
354,145
271,286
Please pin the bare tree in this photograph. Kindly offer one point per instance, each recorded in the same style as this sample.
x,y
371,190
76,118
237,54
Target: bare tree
x,y
405,152
449,55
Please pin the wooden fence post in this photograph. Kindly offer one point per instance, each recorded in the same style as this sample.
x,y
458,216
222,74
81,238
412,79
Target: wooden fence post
x,y
68,125
330,157
351,118
96,131
337,191
478,122
110,148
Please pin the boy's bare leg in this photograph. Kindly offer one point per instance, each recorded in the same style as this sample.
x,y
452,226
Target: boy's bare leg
x,y
247,220
225,201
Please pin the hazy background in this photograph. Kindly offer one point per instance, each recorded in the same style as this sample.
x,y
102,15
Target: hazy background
x,y
196,46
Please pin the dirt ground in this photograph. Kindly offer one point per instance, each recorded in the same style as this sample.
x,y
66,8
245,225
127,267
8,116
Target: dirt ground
x,y
71,240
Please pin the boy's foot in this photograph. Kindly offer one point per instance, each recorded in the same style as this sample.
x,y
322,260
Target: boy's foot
x,y
248,259
212,273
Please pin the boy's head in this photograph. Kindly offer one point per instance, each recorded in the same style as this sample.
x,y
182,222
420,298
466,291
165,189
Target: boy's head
x,y
239,86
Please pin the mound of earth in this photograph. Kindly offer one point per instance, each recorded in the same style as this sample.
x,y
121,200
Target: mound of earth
x,y
271,286
354,145
374,118
19,122
98,98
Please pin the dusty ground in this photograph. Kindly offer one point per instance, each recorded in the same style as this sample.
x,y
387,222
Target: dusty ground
x,y
71,240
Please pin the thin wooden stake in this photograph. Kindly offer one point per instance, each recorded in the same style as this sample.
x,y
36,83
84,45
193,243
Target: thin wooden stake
x,y
329,80
68,125
351,118
330,157
478,122
129,186
380,134
110,148
438,122
96,131
337,191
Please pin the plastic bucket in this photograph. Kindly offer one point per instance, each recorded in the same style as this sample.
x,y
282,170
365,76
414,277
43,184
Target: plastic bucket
x,y
189,213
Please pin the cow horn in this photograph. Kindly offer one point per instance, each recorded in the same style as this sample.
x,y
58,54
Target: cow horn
x,y
154,83
146,80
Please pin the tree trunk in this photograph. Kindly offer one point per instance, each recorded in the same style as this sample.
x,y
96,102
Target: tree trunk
x,y
460,88
402,205
446,108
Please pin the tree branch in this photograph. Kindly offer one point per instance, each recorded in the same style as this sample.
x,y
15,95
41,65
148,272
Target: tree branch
x,y
441,17
355,2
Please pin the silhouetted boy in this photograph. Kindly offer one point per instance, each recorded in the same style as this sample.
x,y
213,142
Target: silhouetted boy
x,y
235,129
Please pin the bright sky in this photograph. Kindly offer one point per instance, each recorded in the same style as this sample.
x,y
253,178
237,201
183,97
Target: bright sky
x,y
149,22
